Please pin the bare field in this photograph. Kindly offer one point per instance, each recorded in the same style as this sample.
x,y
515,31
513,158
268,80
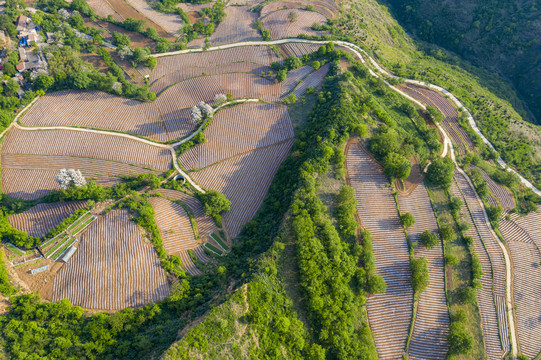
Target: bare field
x,y
238,130
169,22
113,268
205,223
41,218
174,224
86,145
244,180
280,27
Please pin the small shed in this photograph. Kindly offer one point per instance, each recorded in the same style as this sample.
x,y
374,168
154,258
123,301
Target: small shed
x,y
40,269
68,254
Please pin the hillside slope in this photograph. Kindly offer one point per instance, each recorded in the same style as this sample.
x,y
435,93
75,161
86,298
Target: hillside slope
x,y
501,35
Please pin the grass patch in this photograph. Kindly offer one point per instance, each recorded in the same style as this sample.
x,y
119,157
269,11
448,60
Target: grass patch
x,y
213,249
219,241
14,250
460,276
61,242
64,248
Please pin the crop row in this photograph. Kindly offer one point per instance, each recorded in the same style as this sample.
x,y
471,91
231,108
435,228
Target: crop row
x,y
389,314
217,58
238,130
113,267
205,223
87,145
280,27
493,279
38,220
526,258
244,180
174,224
237,26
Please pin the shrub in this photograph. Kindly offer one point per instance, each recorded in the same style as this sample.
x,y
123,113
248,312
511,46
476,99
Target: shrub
x,y
407,220
214,202
281,75
419,274
429,239
316,65
459,339
447,233
451,260
441,172
467,295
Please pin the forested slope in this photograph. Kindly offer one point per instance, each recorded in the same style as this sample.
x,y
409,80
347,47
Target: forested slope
x,y
501,35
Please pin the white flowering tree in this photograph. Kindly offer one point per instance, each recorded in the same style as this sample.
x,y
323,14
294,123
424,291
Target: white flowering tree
x,y
71,177
219,99
195,114
124,52
206,109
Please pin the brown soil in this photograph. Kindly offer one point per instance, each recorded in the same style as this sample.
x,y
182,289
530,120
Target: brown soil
x,y
95,60
126,11
193,16
137,40
449,276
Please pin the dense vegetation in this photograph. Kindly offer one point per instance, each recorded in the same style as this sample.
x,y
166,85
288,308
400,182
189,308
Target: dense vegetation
x,y
502,35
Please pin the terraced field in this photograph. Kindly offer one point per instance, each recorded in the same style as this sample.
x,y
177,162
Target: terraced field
x,y
299,49
278,5
244,180
499,195
169,22
86,145
188,264
29,177
174,224
312,80
103,8
526,259
113,268
238,130
236,27
38,220
205,223
389,314
450,114
280,27
429,338
491,298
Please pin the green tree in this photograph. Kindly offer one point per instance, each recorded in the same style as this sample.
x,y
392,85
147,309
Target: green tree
x,y
11,88
396,166
214,202
494,214
419,274
292,62
43,82
281,75
459,339
140,54
120,39
429,239
6,117
441,172
9,69
407,220
434,114
81,80
447,233
151,62
316,65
